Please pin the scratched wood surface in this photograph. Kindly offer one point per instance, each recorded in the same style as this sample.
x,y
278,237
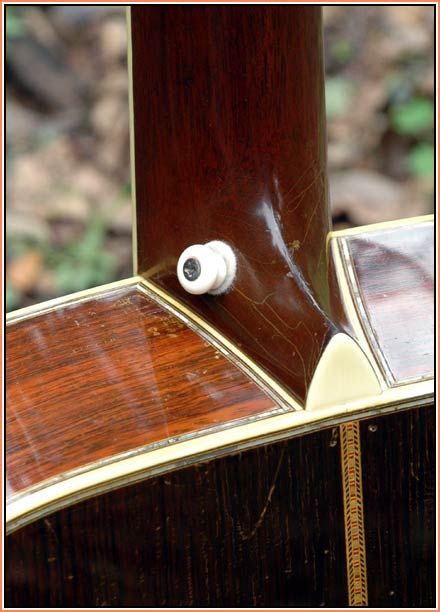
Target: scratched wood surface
x,y
229,134
394,270
260,528
399,476
93,379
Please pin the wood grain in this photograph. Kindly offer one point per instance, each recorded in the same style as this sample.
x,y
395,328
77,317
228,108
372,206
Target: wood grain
x,y
229,133
399,475
260,528
394,270
104,376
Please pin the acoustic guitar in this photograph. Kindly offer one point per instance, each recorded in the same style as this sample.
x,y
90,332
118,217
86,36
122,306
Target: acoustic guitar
x,y
247,421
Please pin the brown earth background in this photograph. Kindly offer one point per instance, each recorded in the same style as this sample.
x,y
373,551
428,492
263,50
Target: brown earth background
x,y
68,223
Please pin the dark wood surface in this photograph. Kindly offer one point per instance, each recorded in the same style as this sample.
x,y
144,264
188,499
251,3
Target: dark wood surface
x,y
399,477
395,276
100,377
229,130
264,527
260,528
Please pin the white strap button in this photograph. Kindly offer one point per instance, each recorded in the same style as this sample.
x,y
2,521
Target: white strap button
x,y
207,268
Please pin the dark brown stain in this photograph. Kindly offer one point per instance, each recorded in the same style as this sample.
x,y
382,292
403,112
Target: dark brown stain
x,y
105,376
230,145
399,481
260,528
263,527
395,276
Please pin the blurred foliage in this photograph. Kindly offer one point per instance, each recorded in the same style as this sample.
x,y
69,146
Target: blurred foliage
x,y
413,117
14,25
12,298
421,160
80,264
83,263
341,50
338,96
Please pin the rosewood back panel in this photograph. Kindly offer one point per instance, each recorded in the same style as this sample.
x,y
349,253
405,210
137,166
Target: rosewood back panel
x,y
210,535
263,527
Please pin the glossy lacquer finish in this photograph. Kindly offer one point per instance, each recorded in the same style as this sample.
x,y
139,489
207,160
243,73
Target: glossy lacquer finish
x,y
229,137
261,528
107,375
394,278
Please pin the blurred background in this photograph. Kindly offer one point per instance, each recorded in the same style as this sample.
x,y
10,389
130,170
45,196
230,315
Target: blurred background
x,y
68,223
